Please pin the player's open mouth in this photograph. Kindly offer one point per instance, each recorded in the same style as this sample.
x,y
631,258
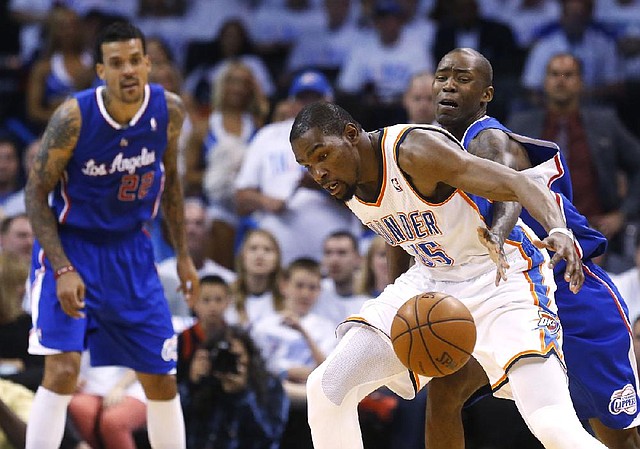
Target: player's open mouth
x,y
331,187
448,103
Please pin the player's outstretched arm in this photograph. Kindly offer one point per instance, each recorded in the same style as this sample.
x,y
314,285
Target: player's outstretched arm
x,y
495,145
173,203
58,143
446,162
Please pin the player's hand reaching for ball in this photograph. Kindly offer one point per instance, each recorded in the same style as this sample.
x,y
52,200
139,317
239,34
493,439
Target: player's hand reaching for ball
x,y
496,251
189,280
562,244
70,290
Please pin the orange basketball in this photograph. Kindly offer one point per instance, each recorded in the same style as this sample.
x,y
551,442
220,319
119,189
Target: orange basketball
x,y
433,334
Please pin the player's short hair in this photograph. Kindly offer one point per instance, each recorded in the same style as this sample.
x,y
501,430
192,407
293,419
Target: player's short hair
x,y
118,32
482,63
329,118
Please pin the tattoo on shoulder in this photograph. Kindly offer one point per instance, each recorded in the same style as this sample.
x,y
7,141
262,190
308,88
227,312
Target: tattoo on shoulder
x,y
487,145
58,142
63,127
176,110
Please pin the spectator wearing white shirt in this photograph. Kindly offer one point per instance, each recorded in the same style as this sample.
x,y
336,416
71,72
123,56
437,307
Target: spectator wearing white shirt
x,y
527,18
328,49
577,33
380,65
278,194
109,405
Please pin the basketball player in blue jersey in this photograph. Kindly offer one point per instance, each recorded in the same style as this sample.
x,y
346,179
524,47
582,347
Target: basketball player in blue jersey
x,y
598,341
416,187
108,159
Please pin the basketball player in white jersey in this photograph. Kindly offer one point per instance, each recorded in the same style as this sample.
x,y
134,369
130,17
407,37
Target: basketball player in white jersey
x,y
420,190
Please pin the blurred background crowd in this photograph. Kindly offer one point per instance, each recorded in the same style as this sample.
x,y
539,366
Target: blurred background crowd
x,y
282,263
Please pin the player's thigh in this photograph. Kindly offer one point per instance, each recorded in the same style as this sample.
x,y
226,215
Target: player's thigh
x,y
130,322
452,391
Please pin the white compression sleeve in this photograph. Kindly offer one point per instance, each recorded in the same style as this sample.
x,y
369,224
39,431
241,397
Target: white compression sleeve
x,y
361,363
541,393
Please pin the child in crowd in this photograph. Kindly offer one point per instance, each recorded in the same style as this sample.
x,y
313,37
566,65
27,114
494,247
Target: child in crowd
x,y
295,341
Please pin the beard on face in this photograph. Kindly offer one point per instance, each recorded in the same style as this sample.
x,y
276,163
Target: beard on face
x,y
349,193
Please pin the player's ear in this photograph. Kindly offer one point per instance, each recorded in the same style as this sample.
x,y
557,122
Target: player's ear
x,y
100,70
487,95
351,132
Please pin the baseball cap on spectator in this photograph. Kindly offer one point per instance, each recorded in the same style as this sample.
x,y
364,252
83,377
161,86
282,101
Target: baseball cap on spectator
x,y
311,81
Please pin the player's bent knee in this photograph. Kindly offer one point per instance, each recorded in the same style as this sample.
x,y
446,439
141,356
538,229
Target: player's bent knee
x,y
61,370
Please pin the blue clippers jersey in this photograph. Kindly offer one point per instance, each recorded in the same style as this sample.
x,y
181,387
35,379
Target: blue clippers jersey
x,y
114,180
591,242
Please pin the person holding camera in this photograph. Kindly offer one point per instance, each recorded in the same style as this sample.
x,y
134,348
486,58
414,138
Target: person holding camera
x,y
230,400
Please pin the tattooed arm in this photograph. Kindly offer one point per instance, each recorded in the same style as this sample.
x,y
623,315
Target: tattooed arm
x,y
497,146
172,199
58,143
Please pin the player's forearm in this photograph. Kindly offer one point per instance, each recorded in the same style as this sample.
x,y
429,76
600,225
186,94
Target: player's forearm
x,y
173,209
44,224
505,216
541,204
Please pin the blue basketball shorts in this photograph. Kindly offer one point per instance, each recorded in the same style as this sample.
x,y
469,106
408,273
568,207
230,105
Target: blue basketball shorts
x,y
127,320
598,349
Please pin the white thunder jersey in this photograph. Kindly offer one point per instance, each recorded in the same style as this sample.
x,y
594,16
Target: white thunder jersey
x,y
516,319
441,236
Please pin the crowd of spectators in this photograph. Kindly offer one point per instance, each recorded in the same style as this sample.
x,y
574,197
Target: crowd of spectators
x,y
282,263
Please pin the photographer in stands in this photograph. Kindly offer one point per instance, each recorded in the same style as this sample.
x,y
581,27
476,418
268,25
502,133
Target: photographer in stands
x,y
230,401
